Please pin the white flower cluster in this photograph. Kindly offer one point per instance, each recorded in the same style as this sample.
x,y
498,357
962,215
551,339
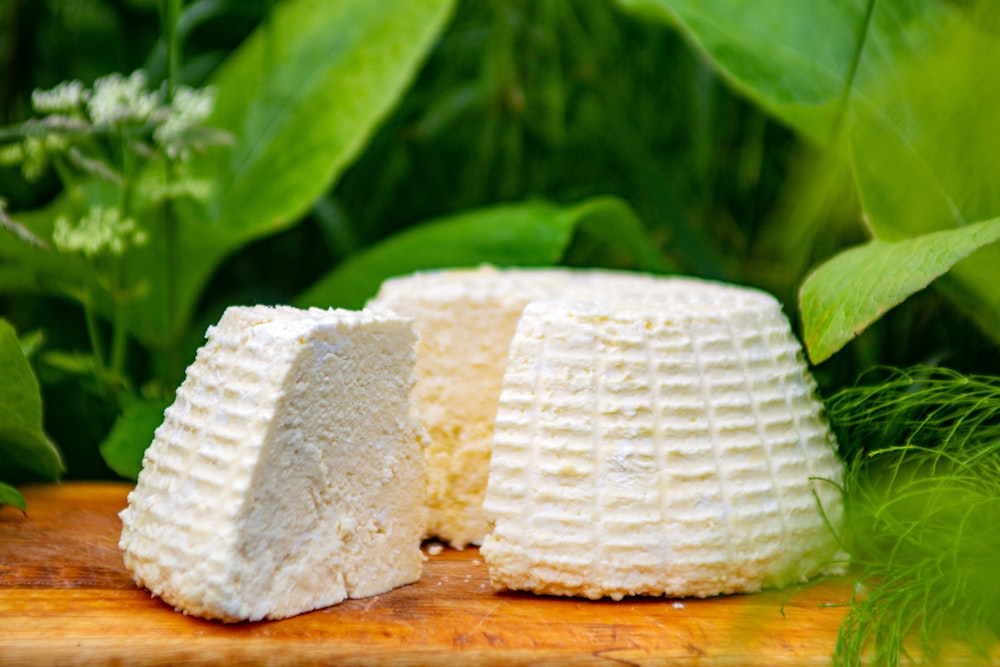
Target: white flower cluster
x,y
117,100
116,103
101,230
65,99
79,129
188,110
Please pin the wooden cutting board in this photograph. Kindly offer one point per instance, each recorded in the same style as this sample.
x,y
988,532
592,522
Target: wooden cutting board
x,y
65,598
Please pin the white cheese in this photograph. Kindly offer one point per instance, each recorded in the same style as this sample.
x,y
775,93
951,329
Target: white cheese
x,y
288,474
673,447
465,319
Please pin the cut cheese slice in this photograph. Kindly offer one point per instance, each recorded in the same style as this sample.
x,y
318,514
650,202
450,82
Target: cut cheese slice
x,y
465,319
288,474
670,447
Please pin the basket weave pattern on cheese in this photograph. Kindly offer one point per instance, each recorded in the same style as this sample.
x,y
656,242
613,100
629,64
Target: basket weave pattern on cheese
x,y
660,448
288,474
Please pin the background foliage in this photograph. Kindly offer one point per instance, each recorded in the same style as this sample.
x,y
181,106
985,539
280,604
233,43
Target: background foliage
x,y
642,133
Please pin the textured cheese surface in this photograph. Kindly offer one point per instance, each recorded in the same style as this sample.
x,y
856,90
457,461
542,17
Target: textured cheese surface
x,y
667,448
288,474
465,319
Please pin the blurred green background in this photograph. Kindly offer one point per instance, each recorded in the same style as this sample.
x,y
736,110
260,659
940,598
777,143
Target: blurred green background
x,y
555,100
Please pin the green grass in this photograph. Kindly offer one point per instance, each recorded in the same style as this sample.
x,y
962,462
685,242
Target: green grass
x,y
922,497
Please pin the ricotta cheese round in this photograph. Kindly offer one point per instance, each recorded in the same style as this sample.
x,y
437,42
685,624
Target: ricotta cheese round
x,y
288,474
465,319
671,446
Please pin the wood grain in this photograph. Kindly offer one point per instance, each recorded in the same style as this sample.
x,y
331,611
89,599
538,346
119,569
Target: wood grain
x,y
65,598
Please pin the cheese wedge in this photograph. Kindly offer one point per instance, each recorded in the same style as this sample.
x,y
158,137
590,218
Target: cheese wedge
x,y
288,474
670,447
465,319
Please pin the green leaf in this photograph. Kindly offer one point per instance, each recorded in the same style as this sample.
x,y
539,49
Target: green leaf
x,y
852,290
304,94
795,59
905,88
131,434
609,234
807,63
533,233
11,496
25,452
923,146
924,150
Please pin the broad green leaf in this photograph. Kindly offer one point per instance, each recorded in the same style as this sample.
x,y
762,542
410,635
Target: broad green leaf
x,y
25,452
11,496
924,150
305,92
532,233
804,62
907,88
923,141
131,434
852,290
794,59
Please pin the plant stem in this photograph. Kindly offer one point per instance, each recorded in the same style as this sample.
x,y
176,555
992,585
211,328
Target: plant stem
x,y
119,337
169,12
171,244
94,336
